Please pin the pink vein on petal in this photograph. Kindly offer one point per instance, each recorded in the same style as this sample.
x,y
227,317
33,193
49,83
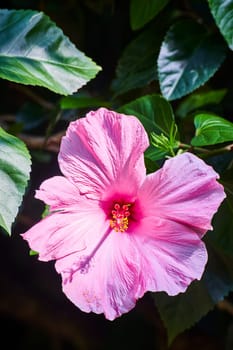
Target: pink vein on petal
x,y
106,150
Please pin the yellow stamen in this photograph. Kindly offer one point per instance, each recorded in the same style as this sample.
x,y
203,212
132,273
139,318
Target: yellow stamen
x,y
120,215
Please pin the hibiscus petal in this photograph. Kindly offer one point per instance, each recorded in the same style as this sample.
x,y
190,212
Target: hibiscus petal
x,y
184,190
58,193
68,232
110,282
103,153
171,258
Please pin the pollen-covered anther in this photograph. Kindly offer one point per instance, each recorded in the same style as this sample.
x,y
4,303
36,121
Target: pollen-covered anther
x,y
120,215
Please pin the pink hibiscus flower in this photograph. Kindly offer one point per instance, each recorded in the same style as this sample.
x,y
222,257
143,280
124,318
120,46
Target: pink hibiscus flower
x,y
116,232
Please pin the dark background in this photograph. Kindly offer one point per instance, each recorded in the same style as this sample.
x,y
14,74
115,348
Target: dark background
x,y
34,313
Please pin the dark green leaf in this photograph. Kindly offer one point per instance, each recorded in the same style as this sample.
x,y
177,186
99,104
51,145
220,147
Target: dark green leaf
x,y
211,130
222,11
41,156
187,61
199,100
14,171
151,166
223,233
137,65
184,310
218,277
222,236
141,12
156,115
154,153
34,51
154,112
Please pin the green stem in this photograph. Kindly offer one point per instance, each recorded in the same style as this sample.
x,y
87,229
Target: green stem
x,y
172,152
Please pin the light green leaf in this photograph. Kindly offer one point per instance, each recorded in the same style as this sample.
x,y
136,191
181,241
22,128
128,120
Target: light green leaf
x,y
137,65
14,174
186,62
82,101
34,51
141,12
222,11
165,143
46,211
199,100
211,130
33,252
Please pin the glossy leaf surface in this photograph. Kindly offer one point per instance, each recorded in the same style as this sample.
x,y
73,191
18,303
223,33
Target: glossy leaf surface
x,y
14,172
33,50
222,11
211,130
186,62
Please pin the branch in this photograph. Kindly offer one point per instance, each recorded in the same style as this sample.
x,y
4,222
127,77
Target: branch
x,y
206,152
41,142
36,98
226,306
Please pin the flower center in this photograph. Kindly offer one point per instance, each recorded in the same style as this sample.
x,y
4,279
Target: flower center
x,y
120,214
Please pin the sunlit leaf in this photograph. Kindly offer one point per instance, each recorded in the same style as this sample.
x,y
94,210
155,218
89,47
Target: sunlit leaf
x,y
46,211
33,50
81,101
222,11
14,173
141,12
186,62
33,252
211,130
